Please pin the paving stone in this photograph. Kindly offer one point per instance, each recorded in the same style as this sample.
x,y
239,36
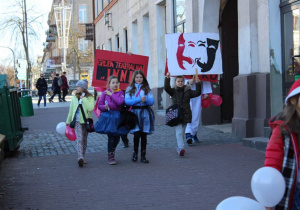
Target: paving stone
x,y
45,173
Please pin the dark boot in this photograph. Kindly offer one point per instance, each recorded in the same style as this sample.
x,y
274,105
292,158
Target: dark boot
x,y
111,158
134,157
125,141
143,157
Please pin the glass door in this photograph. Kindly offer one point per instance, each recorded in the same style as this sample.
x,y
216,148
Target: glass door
x,y
291,44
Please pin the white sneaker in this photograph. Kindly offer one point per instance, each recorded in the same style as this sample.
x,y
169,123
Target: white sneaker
x,y
45,107
38,106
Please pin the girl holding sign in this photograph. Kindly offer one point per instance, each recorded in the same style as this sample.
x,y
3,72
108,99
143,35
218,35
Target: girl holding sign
x,y
181,94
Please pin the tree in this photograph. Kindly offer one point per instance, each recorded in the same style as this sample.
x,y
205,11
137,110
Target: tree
x,y
10,73
79,55
21,24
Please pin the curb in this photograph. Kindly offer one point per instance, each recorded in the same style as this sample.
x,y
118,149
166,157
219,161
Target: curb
x,y
259,143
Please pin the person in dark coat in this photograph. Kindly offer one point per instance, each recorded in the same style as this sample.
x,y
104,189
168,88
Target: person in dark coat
x,y
42,86
56,89
64,86
181,94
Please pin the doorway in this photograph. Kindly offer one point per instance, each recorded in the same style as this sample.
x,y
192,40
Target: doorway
x,y
229,42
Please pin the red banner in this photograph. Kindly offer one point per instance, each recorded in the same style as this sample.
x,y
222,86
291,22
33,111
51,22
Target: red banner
x,y
122,65
205,77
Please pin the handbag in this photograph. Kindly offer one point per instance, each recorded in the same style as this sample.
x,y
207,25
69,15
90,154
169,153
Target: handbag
x,y
89,124
174,114
128,118
72,124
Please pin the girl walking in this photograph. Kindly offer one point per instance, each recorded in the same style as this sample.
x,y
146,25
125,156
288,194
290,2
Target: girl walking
x,y
110,104
181,94
86,99
138,95
282,152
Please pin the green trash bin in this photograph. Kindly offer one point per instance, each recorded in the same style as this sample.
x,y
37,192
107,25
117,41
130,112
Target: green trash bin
x,y
10,120
26,104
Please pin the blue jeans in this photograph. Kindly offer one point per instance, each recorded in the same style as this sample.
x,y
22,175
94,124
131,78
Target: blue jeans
x,y
296,202
113,141
40,98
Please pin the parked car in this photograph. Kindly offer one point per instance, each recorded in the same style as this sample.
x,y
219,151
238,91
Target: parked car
x,y
72,85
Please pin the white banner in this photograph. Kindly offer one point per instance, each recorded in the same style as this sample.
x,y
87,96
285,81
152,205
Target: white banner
x,y
188,51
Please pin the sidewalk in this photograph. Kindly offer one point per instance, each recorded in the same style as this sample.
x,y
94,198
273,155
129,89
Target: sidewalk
x,y
45,174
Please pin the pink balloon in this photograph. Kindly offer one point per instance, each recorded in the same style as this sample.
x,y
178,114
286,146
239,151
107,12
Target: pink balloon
x,y
205,103
216,100
70,133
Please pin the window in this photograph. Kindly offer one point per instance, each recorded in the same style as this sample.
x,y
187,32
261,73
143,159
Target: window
x,y
125,41
179,16
103,47
117,44
109,45
82,44
286,2
105,3
82,14
134,43
97,11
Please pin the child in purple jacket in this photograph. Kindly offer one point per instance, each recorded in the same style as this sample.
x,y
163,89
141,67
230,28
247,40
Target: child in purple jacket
x,y
110,104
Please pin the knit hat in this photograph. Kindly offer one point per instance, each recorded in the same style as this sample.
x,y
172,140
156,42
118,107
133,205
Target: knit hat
x,y
295,89
82,83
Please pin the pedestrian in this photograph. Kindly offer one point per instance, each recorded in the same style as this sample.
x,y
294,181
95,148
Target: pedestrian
x,y
195,103
64,86
181,94
138,95
86,99
56,89
110,103
282,152
42,86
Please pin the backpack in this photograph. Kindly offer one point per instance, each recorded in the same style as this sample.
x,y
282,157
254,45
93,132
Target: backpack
x,y
60,82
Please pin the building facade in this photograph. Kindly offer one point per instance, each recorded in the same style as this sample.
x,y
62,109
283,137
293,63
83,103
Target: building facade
x,y
258,38
79,53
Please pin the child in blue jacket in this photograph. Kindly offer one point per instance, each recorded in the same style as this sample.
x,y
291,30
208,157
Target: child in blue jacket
x,y
138,95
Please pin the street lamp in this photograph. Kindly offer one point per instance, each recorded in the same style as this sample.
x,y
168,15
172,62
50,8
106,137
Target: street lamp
x,y
63,18
16,72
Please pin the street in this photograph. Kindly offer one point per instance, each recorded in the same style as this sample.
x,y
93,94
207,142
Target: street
x,y
45,173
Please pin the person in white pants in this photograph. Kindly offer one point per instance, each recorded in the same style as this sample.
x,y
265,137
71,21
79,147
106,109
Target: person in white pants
x,y
195,103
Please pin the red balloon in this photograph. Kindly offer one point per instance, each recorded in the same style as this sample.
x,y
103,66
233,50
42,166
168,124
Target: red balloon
x,y
70,133
216,100
205,103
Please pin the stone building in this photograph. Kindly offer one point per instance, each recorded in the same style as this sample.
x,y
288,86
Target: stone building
x,y
258,40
